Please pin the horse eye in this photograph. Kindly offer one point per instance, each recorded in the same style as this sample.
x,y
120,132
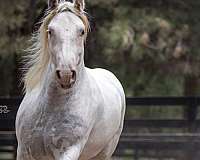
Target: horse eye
x,y
82,31
49,32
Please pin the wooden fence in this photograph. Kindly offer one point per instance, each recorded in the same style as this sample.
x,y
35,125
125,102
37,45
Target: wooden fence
x,y
181,144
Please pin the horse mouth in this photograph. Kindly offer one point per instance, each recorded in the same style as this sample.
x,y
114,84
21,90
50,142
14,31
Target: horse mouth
x,y
66,80
65,86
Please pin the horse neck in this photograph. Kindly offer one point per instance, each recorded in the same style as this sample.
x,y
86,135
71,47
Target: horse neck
x,y
54,93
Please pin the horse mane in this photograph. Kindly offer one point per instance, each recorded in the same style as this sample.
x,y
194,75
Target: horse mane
x,y
38,56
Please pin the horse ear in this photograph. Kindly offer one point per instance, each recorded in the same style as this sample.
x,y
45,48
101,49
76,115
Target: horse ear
x,y
79,4
52,4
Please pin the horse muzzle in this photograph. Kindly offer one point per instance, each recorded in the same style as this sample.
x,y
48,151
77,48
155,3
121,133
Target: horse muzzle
x,y
66,78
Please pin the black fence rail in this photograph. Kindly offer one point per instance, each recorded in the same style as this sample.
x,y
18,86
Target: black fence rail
x,y
176,145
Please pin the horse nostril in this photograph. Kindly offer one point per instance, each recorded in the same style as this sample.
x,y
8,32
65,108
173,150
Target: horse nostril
x,y
73,75
58,74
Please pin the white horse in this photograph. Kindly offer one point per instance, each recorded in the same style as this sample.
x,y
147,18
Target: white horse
x,y
69,112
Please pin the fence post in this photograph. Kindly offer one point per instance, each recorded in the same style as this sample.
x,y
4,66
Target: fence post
x,y
136,156
192,109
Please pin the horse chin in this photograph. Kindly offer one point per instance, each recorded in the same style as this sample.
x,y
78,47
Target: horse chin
x,y
66,87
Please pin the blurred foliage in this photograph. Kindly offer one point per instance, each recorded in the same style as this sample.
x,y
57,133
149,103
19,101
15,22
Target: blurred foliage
x,y
152,46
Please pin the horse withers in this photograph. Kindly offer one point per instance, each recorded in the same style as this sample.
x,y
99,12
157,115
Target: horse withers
x,y
69,112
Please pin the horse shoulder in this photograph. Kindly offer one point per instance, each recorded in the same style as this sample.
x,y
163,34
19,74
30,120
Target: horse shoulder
x,y
112,108
107,81
25,108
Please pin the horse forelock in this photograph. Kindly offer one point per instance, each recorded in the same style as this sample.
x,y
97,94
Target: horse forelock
x,y
39,57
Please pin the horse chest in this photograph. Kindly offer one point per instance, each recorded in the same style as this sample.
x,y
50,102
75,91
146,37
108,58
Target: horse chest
x,y
42,133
